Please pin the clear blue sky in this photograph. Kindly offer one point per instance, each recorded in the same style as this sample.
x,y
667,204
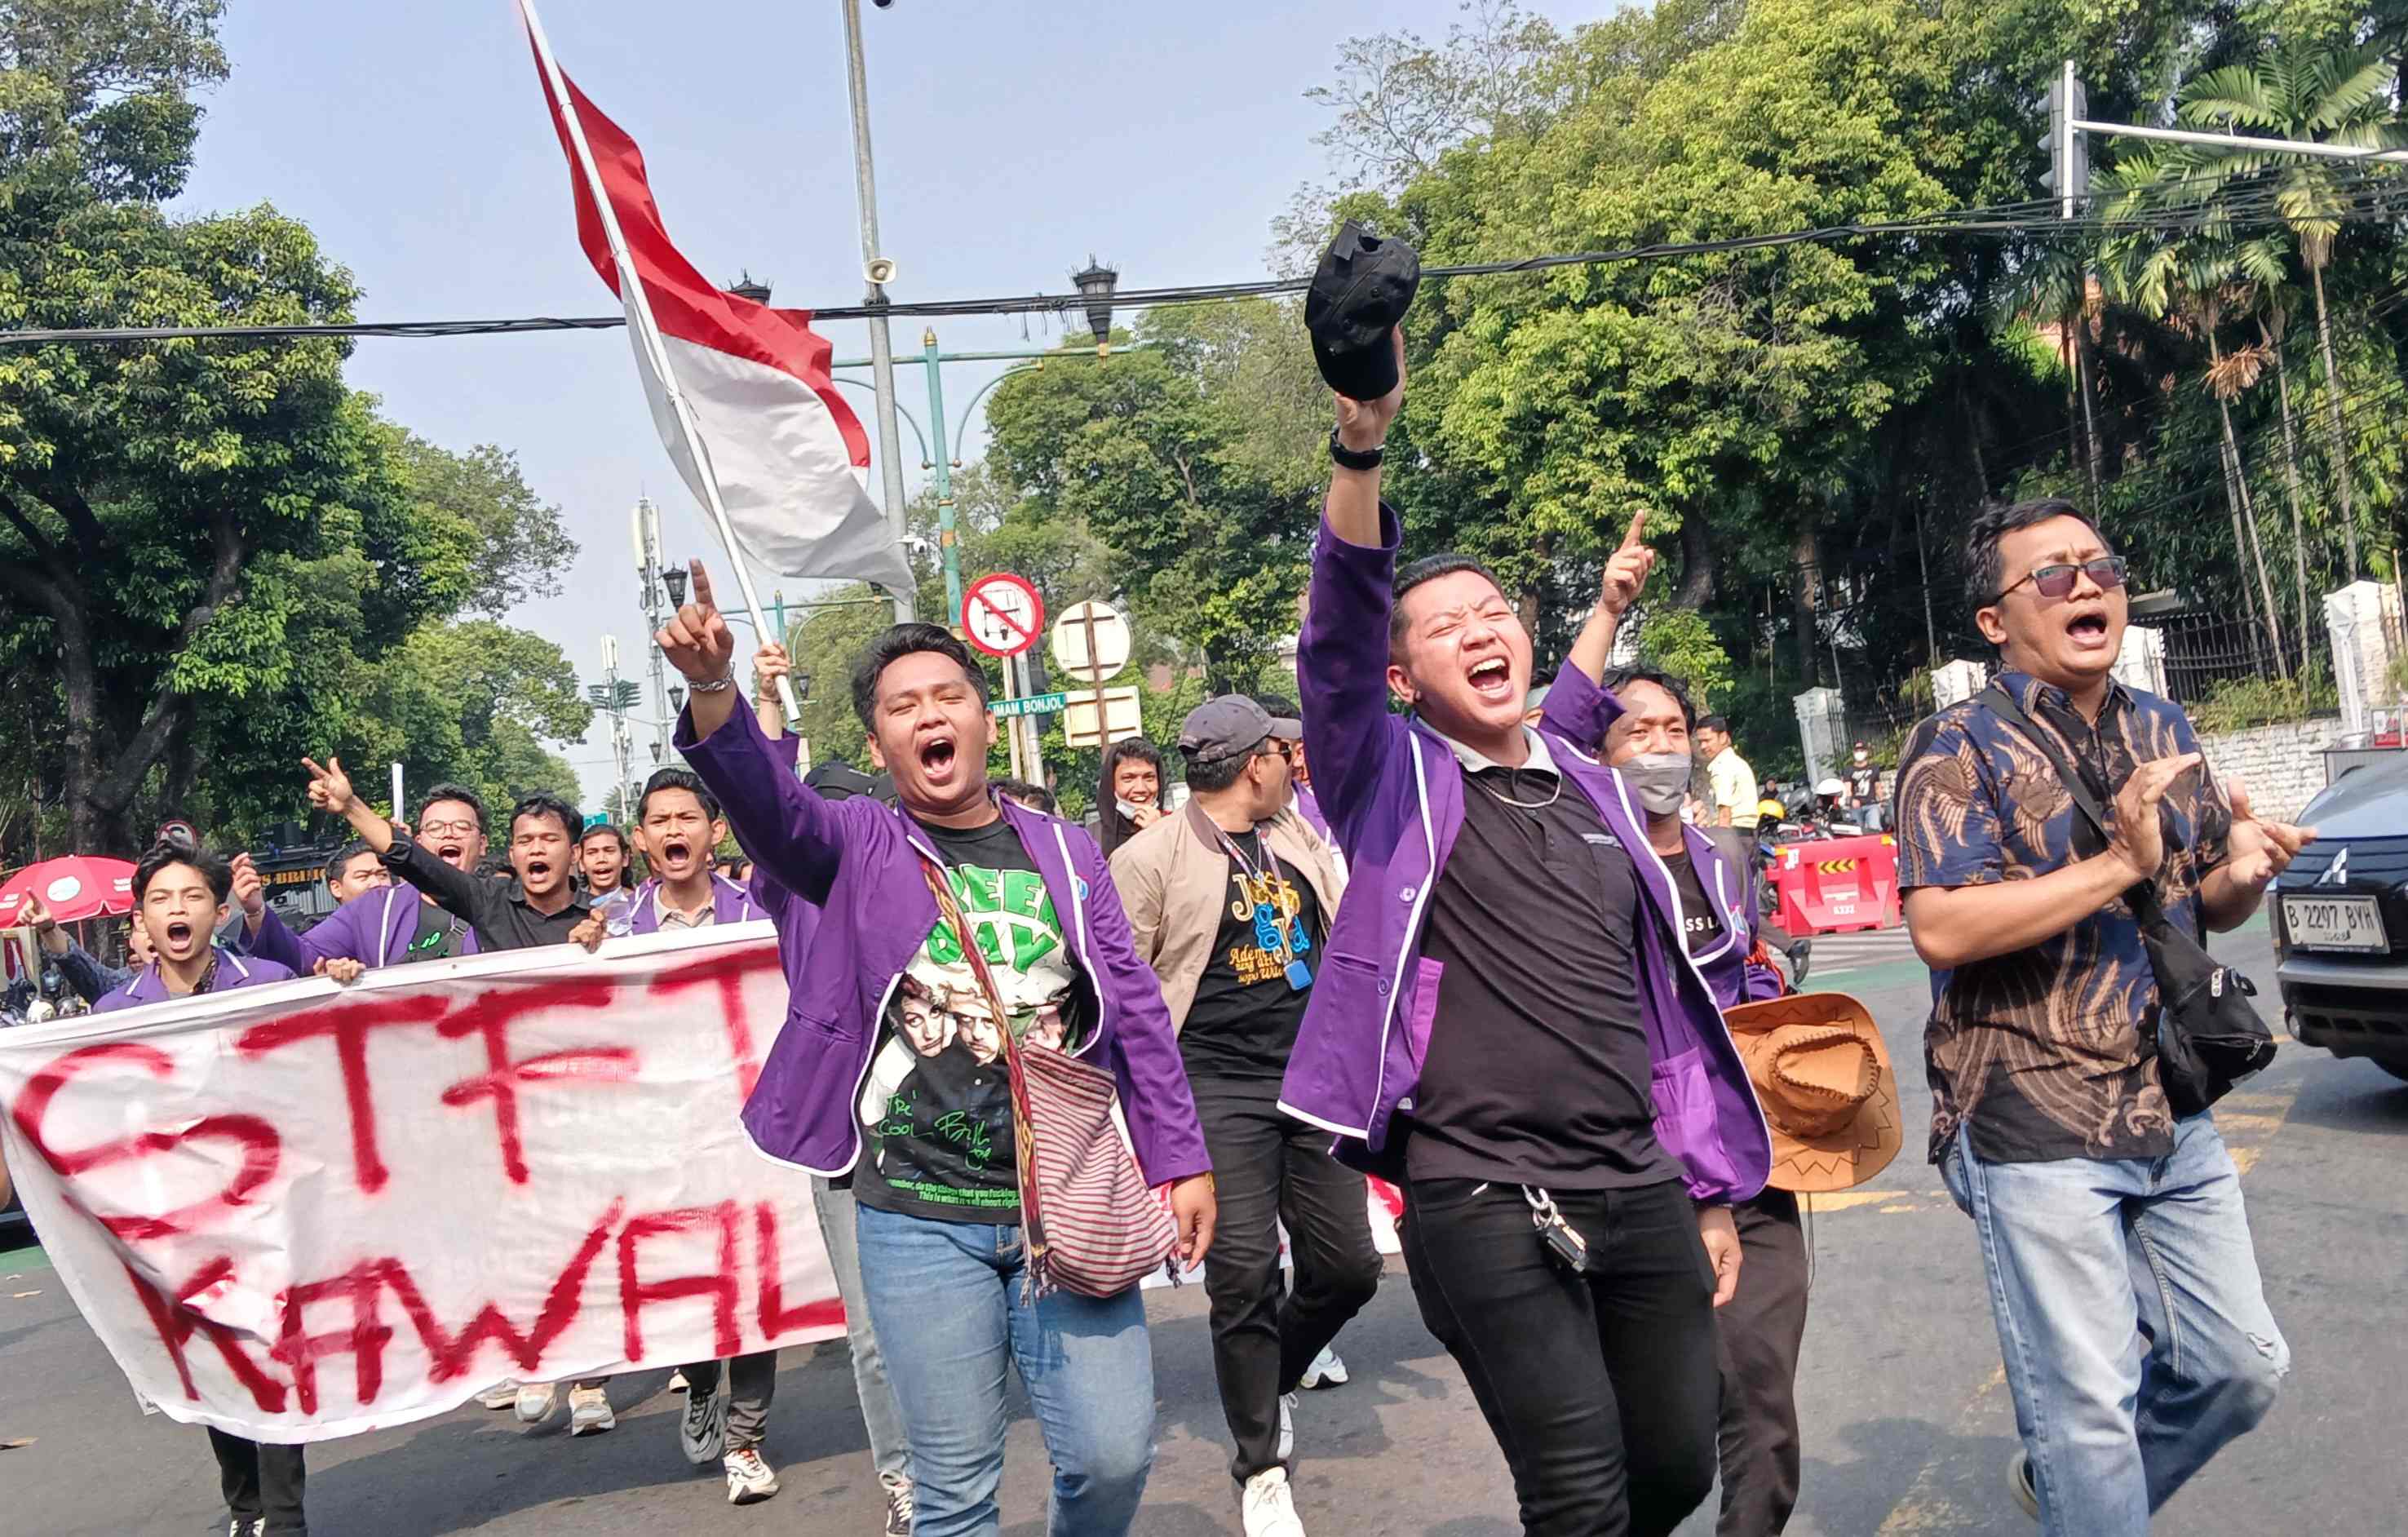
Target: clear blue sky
x,y
1013,139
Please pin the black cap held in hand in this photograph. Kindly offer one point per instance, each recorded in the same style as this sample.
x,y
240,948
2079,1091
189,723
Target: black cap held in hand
x,y
1361,291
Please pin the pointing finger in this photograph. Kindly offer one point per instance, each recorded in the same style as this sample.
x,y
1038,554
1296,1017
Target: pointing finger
x,y
315,772
702,597
1633,536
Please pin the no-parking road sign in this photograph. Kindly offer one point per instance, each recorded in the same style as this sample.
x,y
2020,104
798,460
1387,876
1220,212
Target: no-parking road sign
x,y
1002,614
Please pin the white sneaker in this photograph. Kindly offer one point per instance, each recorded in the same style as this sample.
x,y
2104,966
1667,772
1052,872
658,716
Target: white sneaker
x,y
589,1412
536,1401
677,1381
1287,1426
1327,1371
237,1526
1267,1508
899,1504
502,1395
750,1480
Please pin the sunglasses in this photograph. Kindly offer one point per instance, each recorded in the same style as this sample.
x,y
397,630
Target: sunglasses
x,y
2106,573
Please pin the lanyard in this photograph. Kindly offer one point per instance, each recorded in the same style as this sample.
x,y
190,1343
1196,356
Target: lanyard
x,y
1286,941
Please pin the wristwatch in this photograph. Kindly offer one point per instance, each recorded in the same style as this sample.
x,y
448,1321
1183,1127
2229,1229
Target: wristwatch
x,y
1347,458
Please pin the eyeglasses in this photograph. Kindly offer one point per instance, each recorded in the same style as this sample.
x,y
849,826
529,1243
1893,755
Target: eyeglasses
x,y
2106,572
445,829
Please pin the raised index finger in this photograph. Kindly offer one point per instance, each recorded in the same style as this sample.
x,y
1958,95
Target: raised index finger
x,y
1635,535
702,588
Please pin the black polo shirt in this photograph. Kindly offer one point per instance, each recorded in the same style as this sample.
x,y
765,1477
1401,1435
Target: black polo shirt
x,y
1538,1064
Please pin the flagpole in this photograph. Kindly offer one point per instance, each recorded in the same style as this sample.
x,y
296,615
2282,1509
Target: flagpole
x,y
648,335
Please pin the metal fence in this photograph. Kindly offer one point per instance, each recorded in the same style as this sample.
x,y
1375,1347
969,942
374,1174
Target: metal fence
x,y
2206,648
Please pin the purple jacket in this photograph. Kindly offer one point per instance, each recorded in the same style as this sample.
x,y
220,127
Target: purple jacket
x,y
374,928
729,904
1580,711
858,861
1394,792
233,972
1309,808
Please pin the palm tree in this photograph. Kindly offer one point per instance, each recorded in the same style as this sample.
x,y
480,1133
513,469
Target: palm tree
x,y
2057,290
2343,97
2194,276
2272,304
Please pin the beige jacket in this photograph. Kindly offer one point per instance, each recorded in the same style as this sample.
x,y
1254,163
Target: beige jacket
x,y
1174,877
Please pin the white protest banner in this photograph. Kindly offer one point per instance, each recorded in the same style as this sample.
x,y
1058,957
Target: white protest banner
x,y
299,1212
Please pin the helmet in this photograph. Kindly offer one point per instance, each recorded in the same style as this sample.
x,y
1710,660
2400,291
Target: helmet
x,y
1771,808
1830,787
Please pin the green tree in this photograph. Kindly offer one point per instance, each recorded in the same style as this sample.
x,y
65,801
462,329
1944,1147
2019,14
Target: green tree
x,y
209,550
1191,459
2302,92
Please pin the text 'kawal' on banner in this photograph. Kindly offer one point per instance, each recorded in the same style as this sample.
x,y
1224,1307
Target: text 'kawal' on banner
x,y
294,1212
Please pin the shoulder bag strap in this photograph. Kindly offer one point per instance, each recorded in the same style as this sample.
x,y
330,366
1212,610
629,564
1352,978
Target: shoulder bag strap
x,y
1024,1138
2144,895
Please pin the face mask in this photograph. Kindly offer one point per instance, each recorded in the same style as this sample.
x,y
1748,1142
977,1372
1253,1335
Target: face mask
x,y
1659,780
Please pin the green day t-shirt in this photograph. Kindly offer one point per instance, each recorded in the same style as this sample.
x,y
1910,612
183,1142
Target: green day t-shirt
x,y
936,1109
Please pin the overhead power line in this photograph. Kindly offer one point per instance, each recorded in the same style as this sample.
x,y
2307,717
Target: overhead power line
x,y
2365,194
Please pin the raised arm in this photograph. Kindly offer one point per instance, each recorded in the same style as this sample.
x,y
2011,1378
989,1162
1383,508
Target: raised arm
x,y
789,829
1342,653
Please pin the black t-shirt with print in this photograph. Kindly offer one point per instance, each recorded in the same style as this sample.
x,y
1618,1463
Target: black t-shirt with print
x,y
1245,1019
1864,781
936,1106
438,936
1701,926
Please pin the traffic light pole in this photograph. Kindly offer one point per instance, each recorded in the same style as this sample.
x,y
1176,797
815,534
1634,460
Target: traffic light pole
x,y
2069,171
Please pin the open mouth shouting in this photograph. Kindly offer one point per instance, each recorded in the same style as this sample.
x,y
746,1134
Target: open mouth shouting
x,y
179,938
537,872
940,756
454,854
1492,681
676,856
2086,627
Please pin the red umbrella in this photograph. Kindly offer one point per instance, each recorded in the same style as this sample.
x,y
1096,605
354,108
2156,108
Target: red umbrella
x,y
75,887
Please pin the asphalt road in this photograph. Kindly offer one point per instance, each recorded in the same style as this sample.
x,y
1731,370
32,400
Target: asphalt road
x,y
1907,1424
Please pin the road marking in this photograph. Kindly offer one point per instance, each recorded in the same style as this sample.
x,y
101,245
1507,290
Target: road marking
x,y
2249,1122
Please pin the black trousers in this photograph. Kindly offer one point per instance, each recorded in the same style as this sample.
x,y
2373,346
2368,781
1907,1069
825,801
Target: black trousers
x,y
751,1385
1268,1170
1600,1388
1759,1331
261,1480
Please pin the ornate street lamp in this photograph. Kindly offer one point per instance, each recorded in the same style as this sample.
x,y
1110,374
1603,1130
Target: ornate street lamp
x,y
675,579
676,697
1095,285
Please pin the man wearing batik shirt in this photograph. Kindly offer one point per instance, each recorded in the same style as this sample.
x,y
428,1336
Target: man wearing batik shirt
x,y
2049,1122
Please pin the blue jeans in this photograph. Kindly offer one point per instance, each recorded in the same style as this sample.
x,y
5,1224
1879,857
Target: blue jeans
x,y
2136,1334
945,1298
888,1451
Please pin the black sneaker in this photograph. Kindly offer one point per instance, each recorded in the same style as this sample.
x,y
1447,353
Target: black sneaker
x,y
899,1505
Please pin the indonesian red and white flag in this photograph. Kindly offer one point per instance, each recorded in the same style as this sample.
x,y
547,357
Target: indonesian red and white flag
x,y
763,432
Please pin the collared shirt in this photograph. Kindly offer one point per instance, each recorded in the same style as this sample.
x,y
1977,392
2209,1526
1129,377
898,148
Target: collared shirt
x,y
1537,1070
702,917
2040,1050
498,910
1734,785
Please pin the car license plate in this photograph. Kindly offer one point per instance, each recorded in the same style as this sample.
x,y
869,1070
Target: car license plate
x,y
2334,923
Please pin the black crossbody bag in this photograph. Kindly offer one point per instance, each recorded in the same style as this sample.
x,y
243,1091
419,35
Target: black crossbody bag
x,y
2208,1035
